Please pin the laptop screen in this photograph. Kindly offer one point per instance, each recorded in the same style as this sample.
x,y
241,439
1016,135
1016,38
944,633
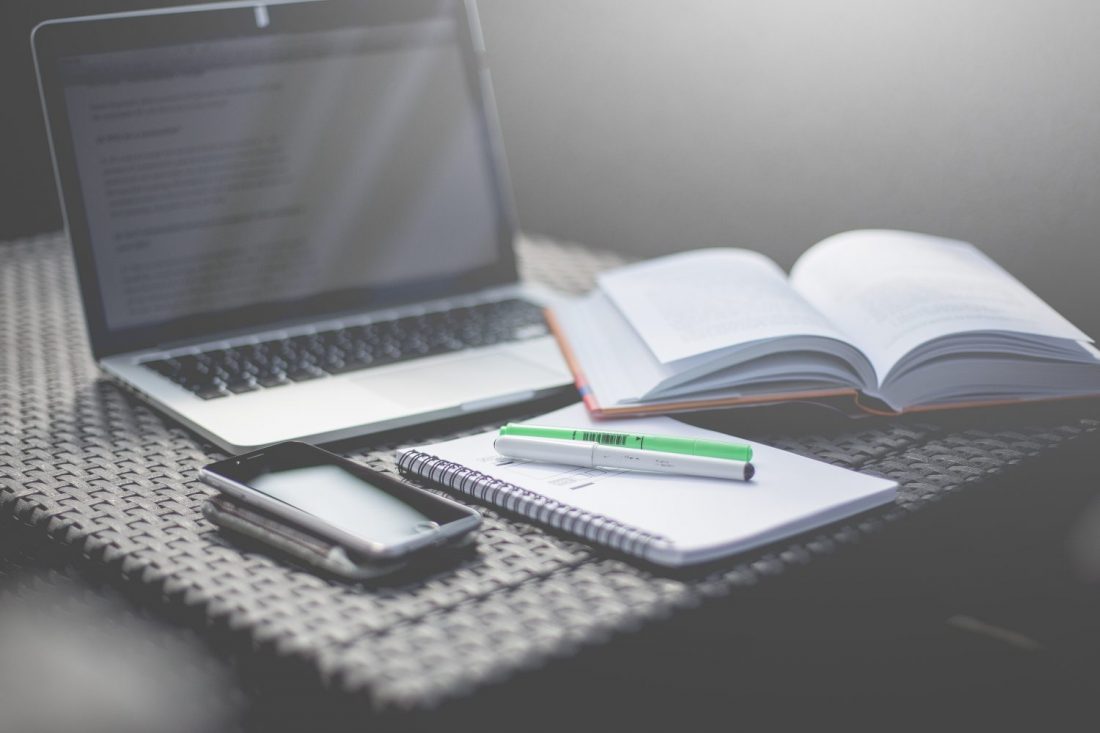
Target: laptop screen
x,y
281,173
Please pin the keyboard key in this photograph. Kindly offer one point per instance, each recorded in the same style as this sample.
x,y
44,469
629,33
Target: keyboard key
x,y
353,365
241,386
210,393
301,375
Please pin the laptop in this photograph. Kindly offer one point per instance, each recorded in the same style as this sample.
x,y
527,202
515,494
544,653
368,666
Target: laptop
x,y
292,220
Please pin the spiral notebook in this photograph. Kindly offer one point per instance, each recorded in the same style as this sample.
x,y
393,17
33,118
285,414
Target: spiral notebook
x,y
666,520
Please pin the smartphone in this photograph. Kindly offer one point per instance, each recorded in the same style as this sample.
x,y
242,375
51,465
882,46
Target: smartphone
x,y
375,515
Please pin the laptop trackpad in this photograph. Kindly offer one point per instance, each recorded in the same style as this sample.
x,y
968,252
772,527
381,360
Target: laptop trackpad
x,y
458,381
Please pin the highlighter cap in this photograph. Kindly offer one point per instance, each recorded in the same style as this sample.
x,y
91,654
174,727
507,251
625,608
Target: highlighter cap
x,y
708,448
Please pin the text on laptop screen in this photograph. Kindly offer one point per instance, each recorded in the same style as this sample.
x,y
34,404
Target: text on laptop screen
x,y
246,171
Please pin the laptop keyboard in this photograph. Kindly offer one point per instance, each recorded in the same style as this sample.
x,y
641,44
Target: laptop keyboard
x,y
270,364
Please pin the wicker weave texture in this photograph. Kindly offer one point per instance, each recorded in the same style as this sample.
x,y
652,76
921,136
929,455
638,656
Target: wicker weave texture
x,y
91,467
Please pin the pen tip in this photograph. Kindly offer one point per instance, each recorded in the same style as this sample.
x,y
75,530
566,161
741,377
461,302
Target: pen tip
x,y
750,471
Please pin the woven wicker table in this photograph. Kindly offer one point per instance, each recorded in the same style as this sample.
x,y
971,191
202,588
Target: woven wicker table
x,y
86,466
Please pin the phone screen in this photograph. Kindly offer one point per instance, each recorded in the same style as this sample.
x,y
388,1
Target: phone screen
x,y
310,480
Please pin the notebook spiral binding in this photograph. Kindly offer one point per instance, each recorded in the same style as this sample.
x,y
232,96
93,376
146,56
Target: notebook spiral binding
x,y
589,525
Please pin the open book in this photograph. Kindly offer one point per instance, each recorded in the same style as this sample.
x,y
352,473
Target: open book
x,y
901,321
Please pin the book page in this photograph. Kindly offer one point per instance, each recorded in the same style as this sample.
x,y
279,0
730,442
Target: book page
x,y
891,291
617,364
692,303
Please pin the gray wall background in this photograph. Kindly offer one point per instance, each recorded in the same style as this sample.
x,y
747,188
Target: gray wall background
x,y
650,126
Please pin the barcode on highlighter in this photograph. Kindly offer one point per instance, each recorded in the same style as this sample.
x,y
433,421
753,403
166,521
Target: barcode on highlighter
x,y
604,438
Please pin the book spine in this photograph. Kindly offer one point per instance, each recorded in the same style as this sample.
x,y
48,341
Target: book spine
x,y
588,525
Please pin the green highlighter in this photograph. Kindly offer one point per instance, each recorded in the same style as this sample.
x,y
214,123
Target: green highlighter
x,y
686,446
